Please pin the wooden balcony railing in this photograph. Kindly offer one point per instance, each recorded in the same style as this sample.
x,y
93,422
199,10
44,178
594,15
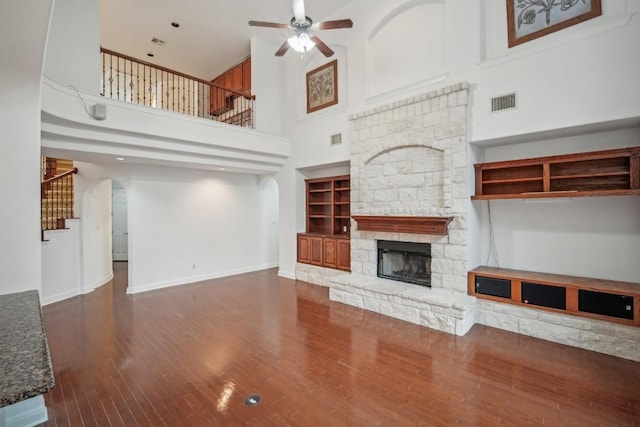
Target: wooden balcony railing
x,y
57,200
128,79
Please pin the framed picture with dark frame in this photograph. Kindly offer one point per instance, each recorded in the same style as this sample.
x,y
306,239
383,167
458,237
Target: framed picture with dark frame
x,y
322,87
529,19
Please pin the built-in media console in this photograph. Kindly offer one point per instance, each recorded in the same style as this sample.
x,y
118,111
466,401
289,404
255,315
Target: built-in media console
x,y
580,296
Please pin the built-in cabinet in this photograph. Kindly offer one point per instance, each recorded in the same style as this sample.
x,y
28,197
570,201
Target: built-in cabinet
x,y
325,251
608,300
597,173
326,241
236,78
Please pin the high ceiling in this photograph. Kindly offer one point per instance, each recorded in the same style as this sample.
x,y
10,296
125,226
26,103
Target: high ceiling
x,y
213,34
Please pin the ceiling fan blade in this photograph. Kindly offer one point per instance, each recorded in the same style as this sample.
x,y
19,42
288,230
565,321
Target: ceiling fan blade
x,y
334,25
283,49
298,10
322,47
268,25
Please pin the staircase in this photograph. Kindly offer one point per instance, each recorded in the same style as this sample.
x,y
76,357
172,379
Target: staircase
x,y
56,192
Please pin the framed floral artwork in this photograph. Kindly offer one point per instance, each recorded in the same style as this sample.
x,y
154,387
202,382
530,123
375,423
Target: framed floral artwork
x,y
322,87
530,19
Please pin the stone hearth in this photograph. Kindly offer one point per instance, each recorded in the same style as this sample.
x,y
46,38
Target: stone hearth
x,y
440,309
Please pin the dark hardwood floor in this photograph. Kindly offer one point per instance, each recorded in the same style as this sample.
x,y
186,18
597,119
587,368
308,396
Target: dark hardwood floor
x,y
190,356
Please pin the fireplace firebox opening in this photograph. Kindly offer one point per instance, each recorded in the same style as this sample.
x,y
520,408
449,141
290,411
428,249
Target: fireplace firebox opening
x,y
405,262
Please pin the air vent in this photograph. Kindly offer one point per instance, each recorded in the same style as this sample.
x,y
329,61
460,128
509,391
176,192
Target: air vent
x,y
336,139
157,41
504,102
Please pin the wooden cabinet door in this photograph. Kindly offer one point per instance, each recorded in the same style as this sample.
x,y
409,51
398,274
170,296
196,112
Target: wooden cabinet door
x,y
303,249
246,76
228,80
236,78
344,254
330,253
217,96
315,251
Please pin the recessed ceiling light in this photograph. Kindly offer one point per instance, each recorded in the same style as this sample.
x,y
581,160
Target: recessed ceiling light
x,y
222,169
150,55
120,159
174,24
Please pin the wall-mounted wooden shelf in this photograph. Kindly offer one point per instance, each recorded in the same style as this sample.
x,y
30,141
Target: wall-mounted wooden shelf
x,y
404,224
328,205
326,241
598,173
608,300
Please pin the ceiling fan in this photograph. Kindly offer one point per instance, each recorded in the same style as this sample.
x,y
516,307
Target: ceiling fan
x,y
302,26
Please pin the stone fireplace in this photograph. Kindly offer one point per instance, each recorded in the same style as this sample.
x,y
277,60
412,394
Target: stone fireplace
x,y
409,171
409,184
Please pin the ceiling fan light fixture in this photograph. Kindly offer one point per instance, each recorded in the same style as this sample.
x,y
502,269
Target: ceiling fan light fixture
x,y
301,43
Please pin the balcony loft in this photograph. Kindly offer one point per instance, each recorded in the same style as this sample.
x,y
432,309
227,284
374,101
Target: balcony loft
x,y
184,132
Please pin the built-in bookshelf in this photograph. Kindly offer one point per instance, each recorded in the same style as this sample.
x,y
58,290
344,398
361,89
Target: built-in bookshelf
x,y
597,173
328,212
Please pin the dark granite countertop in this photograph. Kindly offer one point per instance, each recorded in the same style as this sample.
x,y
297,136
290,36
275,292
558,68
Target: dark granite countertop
x,y
25,366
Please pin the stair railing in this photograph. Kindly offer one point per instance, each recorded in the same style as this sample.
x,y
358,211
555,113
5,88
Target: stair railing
x,y
131,80
57,200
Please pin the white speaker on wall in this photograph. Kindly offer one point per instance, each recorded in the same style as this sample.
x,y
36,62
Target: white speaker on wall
x,y
100,111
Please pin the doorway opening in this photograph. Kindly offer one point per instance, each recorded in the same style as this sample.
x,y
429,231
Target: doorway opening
x,y
119,223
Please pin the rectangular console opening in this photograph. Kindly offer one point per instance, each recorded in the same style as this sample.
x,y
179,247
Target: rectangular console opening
x,y
544,295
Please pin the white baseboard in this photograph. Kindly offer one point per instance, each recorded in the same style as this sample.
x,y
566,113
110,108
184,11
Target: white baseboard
x,y
60,296
73,292
287,274
97,283
132,289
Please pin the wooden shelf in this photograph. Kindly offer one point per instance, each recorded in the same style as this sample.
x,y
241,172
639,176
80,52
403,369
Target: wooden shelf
x,y
598,173
326,241
609,300
514,180
404,224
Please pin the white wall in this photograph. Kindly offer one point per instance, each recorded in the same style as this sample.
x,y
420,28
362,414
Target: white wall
x,y
222,223
289,200
266,85
79,259
569,78
565,79
73,52
187,225
61,266
23,29
97,255
585,236
269,211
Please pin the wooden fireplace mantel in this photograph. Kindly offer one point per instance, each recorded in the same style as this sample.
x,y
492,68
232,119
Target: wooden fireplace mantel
x,y
404,224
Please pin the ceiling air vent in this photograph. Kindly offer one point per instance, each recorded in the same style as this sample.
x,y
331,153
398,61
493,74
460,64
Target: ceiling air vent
x,y
504,102
157,41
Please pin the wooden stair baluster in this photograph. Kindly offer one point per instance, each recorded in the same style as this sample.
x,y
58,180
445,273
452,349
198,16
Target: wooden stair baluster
x,y
56,192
